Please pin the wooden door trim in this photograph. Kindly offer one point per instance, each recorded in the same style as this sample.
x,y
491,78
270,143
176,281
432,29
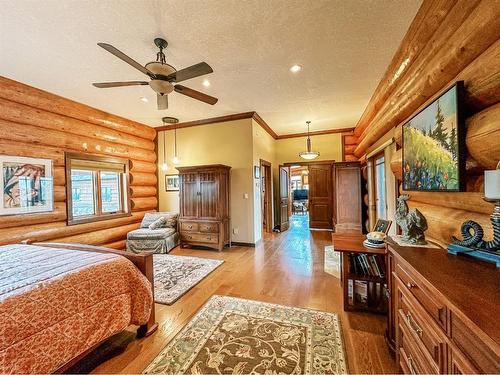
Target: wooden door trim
x,y
268,214
306,163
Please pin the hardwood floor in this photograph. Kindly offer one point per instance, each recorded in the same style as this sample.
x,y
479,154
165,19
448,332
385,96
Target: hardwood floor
x,y
286,268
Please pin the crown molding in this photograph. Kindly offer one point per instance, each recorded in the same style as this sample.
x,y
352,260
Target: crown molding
x,y
259,120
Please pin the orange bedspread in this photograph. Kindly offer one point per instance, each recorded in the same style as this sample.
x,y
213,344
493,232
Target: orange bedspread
x,y
57,303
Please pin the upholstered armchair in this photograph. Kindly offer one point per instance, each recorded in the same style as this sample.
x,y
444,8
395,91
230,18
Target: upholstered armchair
x,y
157,234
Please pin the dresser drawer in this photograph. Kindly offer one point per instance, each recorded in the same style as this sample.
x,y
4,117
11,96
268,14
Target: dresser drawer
x,y
412,360
421,326
480,354
189,226
209,227
423,295
200,237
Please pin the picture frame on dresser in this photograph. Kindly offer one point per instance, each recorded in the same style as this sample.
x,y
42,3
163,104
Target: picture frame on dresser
x,y
26,184
433,144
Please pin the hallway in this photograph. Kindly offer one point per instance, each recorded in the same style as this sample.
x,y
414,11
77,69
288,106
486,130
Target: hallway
x,y
286,268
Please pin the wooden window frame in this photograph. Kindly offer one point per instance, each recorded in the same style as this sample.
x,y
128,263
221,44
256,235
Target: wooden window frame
x,y
124,189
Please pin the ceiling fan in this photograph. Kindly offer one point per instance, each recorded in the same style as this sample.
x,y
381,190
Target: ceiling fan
x,y
162,75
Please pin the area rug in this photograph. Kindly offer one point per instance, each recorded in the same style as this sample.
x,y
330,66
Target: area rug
x,y
236,336
332,261
174,275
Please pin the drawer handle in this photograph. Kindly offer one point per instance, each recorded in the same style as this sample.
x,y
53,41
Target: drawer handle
x,y
410,285
413,325
410,365
190,227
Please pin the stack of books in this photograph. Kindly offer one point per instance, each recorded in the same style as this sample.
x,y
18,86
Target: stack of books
x,y
366,265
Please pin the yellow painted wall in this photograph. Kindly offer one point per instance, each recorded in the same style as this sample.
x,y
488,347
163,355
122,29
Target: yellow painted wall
x,y
228,143
240,144
328,145
263,148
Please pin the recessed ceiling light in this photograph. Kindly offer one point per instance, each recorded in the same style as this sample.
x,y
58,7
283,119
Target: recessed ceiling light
x,y
143,99
206,82
295,68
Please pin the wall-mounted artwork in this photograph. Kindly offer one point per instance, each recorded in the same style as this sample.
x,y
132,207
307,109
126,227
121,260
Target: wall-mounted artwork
x,y
27,185
172,182
433,143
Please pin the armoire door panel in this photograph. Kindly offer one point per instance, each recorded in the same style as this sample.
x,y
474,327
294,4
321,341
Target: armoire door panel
x,y
208,199
189,195
348,196
320,196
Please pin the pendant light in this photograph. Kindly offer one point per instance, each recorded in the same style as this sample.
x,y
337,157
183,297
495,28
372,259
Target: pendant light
x,y
308,155
175,160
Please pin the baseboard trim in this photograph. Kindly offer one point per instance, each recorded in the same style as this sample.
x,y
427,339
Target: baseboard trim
x,y
245,244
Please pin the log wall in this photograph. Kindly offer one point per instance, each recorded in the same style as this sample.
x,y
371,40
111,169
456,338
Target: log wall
x,y
448,40
35,123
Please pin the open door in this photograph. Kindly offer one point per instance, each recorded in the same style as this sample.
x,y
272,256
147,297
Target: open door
x,y
284,197
320,196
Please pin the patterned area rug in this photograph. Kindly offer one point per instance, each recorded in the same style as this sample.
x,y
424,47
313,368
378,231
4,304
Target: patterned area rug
x,y
236,336
175,275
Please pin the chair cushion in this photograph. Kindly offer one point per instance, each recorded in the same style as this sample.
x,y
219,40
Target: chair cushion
x,y
150,217
150,234
161,222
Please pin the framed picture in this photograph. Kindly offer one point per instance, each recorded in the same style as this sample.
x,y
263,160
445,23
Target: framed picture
x,y
172,182
433,157
256,171
382,226
27,185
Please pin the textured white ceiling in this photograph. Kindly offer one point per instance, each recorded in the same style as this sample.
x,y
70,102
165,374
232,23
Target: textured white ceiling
x,y
344,47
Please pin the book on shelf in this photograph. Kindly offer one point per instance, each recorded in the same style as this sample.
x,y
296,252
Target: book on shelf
x,y
366,265
360,291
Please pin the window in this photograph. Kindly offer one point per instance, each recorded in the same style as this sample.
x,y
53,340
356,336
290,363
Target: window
x,y
380,199
97,188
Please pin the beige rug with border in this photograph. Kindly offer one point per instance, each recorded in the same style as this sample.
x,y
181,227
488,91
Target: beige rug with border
x,y
236,336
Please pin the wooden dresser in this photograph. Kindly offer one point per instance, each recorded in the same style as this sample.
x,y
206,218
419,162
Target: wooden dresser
x,y
204,205
444,312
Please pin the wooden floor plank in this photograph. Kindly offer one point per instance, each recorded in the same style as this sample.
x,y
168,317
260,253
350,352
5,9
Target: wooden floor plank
x,y
286,268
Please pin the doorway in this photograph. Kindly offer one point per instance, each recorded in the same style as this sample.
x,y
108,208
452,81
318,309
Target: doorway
x,y
306,189
266,196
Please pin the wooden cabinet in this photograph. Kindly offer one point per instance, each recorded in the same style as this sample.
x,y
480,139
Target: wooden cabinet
x,y
348,205
204,205
444,312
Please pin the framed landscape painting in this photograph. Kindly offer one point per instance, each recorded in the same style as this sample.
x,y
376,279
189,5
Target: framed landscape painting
x,y
433,143
172,182
27,185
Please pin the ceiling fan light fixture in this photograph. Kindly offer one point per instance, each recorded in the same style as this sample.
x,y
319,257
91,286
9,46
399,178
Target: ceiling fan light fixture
x,y
159,68
308,154
161,87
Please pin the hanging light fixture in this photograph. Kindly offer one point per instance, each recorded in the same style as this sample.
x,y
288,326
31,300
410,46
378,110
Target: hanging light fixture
x,y
308,155
175,160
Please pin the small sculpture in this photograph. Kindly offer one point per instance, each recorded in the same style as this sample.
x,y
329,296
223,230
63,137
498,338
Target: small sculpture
x,y
413,224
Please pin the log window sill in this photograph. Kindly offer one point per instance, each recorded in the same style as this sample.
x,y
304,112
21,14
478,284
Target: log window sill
x,y
92,219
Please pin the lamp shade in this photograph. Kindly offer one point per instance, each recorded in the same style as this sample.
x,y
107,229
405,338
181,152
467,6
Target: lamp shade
x,y
309,155
492,184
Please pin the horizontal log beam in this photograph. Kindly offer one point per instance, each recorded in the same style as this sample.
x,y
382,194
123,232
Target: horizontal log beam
x,y
148,203
143,191
350,157
350,140
428,19
468,201
446,222
428,77
24,94
349,149
143,179
142,166
35,135
13,221
100,237
483,136
52,230
24,114
15,148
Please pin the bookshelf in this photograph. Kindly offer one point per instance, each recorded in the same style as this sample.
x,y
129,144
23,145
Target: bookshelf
x,y
363,273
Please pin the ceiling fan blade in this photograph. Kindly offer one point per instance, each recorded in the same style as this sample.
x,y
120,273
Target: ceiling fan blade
x,y
115,51
104,85
195,94
162,101
191,72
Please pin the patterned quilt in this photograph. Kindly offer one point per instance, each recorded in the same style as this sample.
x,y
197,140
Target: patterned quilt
x,y
57,303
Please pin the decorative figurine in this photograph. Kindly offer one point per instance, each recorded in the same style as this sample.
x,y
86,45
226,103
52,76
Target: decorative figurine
x,y
472,243
413,224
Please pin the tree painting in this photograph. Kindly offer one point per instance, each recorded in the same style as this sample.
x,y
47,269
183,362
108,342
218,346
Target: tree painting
x,y
431,146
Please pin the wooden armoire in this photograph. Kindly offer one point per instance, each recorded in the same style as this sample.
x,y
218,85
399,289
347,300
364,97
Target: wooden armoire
x,y
204,205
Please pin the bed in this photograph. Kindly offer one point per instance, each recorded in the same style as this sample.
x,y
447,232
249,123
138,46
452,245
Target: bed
x,y
58,302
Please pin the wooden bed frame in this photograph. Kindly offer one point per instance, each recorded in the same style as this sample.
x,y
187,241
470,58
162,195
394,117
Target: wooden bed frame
x,y
144,262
